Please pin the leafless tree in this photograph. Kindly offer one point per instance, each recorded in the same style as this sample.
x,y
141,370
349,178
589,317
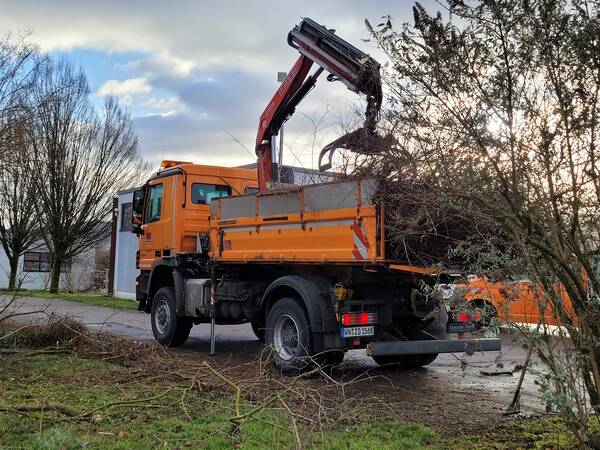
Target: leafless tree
x,y
19,229
81,159
19,64
497,106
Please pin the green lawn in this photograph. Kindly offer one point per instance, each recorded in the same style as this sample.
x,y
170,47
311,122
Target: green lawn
x,y
176,417
136,412
91,299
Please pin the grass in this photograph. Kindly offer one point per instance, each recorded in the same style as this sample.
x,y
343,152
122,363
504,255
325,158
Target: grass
x,y
137,396
204,423
90,299
182,418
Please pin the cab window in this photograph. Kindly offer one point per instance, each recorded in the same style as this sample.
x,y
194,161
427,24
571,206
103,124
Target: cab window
x,y
202,193
153,207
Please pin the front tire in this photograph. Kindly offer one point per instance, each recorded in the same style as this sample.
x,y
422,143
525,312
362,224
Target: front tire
x,y
289,334
168,329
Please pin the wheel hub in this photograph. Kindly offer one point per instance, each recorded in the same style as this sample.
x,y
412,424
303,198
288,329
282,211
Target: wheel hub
x,y
162,318
286,337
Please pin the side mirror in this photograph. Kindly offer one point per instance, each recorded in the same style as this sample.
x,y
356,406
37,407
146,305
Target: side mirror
x,y
136,229
137,212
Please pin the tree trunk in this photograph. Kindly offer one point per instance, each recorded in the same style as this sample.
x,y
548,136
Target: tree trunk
x,y
12,280
55,276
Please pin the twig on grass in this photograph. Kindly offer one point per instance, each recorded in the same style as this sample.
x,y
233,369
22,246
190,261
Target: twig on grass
x,y
45,406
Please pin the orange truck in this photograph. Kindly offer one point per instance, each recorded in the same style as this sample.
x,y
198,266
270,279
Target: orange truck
x,y
514,301
305,266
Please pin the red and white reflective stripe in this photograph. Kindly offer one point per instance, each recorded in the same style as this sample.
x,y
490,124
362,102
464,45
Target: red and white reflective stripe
x,y
361,244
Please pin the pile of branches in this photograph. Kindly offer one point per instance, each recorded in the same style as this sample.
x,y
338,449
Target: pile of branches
x,y
423,224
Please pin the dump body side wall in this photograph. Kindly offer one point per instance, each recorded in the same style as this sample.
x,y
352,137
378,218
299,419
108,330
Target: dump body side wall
x,y
335,222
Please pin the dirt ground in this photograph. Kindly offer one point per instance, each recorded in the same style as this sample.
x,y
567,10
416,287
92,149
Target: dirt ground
x,y
450,395
446,395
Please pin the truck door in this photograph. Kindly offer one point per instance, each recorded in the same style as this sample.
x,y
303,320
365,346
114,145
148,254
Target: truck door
x,y
152,237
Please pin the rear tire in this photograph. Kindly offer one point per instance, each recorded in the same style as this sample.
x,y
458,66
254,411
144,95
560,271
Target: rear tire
x,y
168,329
405,361
289,334
426,359
334,358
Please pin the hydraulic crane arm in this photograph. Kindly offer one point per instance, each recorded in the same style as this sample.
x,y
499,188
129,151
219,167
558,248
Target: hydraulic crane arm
x,y
344,62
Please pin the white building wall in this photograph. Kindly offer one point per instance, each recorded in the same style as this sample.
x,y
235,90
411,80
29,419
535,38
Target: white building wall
x,y
126,245
78,279
26,280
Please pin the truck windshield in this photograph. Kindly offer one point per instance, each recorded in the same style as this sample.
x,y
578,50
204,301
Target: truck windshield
x,y
202,194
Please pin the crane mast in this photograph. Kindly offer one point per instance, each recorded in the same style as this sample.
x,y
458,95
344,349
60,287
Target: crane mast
x,y
344,62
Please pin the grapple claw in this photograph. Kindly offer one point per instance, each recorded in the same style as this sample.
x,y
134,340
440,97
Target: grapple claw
x,y
362,141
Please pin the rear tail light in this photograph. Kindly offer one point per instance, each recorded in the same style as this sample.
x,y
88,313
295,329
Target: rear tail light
x,y
137,259
465,317
361,318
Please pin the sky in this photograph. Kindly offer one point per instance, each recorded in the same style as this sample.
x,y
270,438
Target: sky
x,y
196,75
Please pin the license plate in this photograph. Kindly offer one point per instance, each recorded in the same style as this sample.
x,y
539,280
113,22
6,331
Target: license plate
x,y
461,327
357,331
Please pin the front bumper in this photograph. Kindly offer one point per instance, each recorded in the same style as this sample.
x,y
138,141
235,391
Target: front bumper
x,y
469,346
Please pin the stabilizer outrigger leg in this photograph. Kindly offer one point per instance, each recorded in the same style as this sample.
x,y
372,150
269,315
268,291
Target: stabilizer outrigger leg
x,y
213,308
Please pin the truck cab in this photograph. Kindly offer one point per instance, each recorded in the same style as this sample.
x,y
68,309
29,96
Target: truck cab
x,y
170,215
171,211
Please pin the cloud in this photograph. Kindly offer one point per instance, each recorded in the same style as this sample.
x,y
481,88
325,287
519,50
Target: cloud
x,y
170,104
137,91
190,33
192,136
125,90
162,63
188,70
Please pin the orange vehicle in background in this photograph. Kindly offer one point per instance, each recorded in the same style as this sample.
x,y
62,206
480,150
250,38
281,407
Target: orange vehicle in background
x,y
515,301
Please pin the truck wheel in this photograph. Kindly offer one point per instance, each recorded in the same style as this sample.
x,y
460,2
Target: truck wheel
x,y
289,335
426,359
411,330
259,330
334,358
168,329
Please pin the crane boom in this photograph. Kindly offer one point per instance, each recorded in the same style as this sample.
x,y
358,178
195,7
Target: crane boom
x,y
344,62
